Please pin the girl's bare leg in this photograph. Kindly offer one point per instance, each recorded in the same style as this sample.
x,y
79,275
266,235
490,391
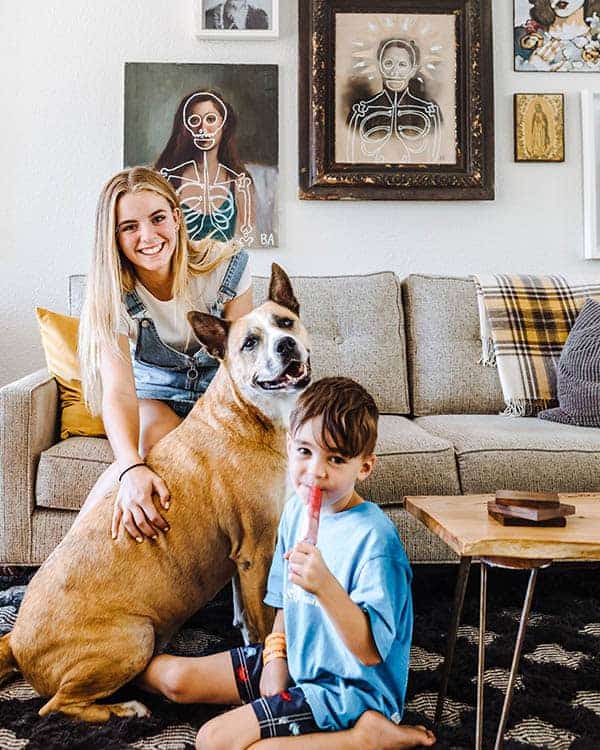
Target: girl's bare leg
x,y
185,679
156,420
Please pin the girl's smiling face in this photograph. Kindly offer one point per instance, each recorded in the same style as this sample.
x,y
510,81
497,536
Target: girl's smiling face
x,y
311,463
147,228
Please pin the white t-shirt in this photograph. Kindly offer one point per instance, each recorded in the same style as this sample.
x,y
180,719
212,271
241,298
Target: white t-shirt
x,y
170,317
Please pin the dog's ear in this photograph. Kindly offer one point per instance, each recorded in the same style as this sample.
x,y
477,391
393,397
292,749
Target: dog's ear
x,y
280,289
210,331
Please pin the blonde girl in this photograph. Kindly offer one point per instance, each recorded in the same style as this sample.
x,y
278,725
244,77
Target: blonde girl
x,y
141,367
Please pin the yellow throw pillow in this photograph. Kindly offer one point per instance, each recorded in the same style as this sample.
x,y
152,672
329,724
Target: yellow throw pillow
x,y
59,339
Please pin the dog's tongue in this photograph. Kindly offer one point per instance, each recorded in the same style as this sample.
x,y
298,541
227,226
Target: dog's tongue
x,y
313,513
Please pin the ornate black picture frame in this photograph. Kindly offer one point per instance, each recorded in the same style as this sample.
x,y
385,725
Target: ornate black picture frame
x,y
396,100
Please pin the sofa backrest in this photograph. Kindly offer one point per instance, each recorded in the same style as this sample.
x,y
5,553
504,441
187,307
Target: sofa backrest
x,y
444,348
76,294
356,325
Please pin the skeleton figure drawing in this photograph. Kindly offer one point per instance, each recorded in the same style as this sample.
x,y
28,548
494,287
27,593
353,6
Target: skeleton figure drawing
x,y
201,162
395,116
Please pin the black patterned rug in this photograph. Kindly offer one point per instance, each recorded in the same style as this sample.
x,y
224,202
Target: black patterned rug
x,y
556,705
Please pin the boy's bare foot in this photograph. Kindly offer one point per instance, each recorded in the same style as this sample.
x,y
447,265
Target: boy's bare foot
x,y
378,733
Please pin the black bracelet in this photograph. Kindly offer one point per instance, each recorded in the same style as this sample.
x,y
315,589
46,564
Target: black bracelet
x,y
129,468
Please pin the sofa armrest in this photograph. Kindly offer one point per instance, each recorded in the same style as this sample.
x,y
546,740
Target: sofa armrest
x,y
28,426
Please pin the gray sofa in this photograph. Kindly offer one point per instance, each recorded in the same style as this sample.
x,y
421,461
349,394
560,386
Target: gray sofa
x,y
415,345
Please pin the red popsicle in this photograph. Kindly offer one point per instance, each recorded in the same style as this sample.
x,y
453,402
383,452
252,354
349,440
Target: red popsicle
x,y
313,512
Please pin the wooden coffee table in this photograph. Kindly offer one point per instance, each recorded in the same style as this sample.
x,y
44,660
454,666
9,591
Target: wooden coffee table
x,y
463,523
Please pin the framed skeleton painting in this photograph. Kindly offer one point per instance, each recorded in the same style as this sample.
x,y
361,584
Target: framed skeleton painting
x,y
396,99
212,130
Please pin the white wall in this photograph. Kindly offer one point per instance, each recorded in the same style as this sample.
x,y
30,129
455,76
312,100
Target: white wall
x,y
61,66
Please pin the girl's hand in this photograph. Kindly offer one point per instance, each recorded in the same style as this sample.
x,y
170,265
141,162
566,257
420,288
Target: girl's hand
x,y
134,505
307,567
275,677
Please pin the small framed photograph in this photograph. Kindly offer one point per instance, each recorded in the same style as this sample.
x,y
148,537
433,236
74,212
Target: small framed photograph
x,y
539,127
236,19
590,114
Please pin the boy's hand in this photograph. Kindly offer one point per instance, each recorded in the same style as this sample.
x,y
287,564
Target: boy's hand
x,y
275,677
307,567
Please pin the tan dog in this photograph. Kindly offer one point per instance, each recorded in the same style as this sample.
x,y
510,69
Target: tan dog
x,y
96,611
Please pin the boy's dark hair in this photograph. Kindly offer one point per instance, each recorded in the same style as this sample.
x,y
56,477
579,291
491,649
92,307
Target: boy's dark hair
x,y
349,415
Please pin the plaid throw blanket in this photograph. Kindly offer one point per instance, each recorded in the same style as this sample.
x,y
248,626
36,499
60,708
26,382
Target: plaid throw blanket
x,y
524,322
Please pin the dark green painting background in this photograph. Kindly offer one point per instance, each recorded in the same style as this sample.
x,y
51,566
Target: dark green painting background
x,y
153,92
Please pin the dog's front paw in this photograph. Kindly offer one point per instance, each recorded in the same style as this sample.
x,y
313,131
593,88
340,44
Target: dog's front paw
x,y
135,708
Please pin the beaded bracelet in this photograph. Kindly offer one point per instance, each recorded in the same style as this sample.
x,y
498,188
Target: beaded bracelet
x,y
129,468
274,648
275,636
269,656
275,640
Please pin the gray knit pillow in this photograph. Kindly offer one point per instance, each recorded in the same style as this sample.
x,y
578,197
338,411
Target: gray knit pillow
x,y
578,374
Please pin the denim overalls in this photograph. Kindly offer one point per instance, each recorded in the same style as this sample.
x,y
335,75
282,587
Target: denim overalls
x,y
164,373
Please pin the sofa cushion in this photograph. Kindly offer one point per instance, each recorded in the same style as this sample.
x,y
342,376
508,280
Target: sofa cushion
x,y
59,338
444,348
68,470
578,372
356,326
497,452
410,462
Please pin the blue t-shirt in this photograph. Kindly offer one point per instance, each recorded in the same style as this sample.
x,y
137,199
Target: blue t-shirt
x,y
361,548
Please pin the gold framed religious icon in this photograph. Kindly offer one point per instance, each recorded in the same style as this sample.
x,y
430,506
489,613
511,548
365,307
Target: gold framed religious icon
x,y
539,127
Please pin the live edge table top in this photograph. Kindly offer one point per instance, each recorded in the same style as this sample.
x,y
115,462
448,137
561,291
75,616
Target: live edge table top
x,y
462,522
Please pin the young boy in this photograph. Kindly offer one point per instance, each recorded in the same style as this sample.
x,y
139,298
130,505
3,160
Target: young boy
x,y
337,658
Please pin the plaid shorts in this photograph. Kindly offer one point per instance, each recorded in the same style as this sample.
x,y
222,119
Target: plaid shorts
x,y
281,715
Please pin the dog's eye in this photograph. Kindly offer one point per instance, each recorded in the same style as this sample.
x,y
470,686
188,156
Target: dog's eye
x,y
250,343
281,322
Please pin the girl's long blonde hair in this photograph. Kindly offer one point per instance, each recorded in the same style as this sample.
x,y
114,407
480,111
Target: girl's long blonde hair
x,y
112,274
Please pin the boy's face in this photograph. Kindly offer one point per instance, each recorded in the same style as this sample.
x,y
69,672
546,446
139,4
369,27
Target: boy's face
x,y
311,463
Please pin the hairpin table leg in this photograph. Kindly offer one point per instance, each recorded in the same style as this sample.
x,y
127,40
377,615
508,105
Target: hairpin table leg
x,y
457,608
481,656
510,563
516,658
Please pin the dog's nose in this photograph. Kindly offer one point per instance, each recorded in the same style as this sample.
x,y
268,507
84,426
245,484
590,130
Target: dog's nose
x,y
286,345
